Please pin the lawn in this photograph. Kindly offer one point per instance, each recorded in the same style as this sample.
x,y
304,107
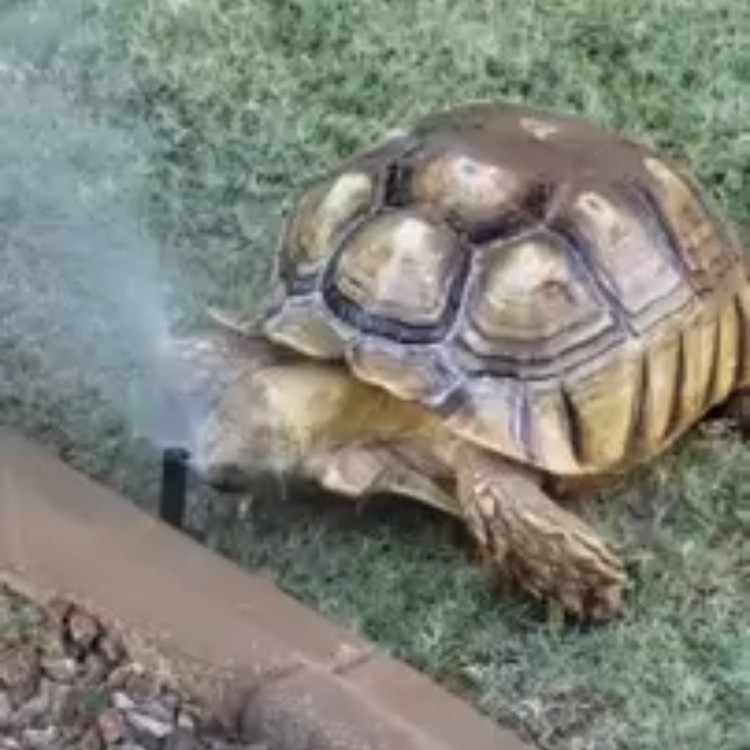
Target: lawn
x,y
193,122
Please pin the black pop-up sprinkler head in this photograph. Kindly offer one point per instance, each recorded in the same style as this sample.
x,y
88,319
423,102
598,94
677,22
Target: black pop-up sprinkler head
x,y
174,477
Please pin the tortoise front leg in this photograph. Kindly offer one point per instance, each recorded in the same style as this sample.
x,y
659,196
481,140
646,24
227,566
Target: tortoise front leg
x,y
549,551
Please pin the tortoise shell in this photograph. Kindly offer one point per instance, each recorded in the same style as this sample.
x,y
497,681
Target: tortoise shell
x,y
552,290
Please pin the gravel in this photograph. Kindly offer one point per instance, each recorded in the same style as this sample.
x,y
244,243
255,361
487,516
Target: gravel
x,y
66,682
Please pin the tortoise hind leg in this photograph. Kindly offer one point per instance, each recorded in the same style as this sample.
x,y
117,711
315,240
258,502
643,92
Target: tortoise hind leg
x,y
547,550
362,471
737,410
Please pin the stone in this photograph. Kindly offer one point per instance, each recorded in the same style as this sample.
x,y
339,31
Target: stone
x,y
36,708
122,701
40,739
83,629
145,724
112,649
112,726
182,739
6,709
60,668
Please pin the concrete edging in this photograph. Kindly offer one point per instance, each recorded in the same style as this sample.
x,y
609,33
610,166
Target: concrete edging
x,y
291,677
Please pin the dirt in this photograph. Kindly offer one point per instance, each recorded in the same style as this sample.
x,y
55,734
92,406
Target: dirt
x,y
67,682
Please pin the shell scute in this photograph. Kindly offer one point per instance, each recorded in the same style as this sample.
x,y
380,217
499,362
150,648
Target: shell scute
x,y
532,300
481,197
397,267
551,290
704,239
322,215
630,255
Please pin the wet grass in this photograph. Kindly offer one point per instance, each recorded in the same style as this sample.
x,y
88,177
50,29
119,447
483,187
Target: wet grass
x,y
228,107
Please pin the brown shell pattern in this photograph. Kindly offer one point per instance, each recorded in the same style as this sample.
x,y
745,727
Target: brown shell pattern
x,y
553,290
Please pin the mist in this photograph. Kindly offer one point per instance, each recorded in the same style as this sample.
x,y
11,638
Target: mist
x,y
81,285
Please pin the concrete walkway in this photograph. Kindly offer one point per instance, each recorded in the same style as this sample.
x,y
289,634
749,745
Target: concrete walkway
x,y
292,678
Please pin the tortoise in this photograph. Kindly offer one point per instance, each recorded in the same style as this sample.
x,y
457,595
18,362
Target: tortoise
x,y
486,311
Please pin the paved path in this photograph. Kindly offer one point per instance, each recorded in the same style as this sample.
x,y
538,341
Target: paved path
x,y
291,677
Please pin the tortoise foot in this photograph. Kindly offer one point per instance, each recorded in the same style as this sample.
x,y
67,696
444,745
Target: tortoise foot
x,y
548,551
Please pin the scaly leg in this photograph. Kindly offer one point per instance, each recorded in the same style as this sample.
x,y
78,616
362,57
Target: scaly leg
x,y
549,551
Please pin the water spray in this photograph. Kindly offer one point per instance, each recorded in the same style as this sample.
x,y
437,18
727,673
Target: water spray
x,y
175,463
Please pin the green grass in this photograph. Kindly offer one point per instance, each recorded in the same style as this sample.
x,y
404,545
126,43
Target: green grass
x,y
216,111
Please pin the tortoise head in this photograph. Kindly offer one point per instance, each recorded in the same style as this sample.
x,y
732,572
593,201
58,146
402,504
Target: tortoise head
x,y
223,382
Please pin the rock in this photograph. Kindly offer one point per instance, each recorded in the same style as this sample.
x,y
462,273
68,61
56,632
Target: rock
x,y
122,701
162,709
118,678
58,611
66,683
112,649
112,727
39,739
185,720
21,694
36,709
72,708
135,680
20,670
95,670
6,709
60,668
91,740
220,744
83,629
151,726
58,700
182,739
